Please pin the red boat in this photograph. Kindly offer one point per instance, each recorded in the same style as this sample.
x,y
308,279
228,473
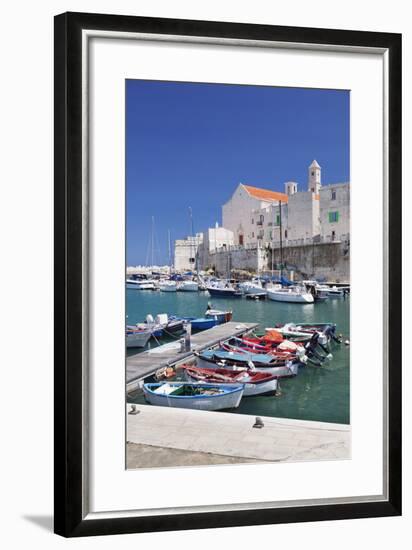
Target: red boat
x,y
256,383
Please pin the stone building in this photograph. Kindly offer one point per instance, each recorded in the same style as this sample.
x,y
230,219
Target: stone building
x,y
264,217
185,252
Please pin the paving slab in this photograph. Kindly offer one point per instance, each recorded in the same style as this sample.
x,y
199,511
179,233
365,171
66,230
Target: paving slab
x,y
233,435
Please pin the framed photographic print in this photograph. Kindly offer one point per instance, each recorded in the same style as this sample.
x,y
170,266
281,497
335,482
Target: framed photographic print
x,y
227,274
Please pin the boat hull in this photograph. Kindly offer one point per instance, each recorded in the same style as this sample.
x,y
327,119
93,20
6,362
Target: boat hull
x,y
228,399
224,292
169,287
267,387
188,287
137,339
292,297
283,371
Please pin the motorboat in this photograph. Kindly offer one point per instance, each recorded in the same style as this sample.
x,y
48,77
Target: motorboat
x,y
292,294
212,318
255,286
200,396
223,289
141,284
137,338
218,315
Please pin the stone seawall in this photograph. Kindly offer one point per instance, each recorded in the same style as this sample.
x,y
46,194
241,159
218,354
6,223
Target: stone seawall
x,y
330,261
323,260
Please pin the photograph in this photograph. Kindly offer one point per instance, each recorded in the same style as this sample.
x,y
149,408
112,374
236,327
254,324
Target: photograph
x,y
237,275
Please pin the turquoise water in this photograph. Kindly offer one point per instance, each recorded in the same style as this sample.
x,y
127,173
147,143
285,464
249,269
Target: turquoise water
x,y
316,393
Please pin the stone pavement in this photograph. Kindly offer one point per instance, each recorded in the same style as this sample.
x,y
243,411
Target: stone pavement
x,y
233,435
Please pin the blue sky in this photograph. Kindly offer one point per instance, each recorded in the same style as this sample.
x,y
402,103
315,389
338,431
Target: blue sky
x,y
189,145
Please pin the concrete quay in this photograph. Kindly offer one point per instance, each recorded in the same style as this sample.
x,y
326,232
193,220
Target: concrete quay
x,y
232,436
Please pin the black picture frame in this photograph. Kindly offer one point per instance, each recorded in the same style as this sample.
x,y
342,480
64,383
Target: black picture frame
x,y
69,515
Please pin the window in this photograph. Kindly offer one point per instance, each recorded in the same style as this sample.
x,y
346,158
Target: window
x,y
286,233
333,217
333,235
312,173
253,235
191,260
333,195
253,221
277,219
240,240
262,218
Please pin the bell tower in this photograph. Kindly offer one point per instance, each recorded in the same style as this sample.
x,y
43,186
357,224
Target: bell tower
x,y
314,177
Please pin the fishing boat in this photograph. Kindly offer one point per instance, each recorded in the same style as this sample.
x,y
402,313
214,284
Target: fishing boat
x,y
201,323
283,347
160,325
204,397
281,354
255,383
231,360
212,318
219,315
137,338
292,294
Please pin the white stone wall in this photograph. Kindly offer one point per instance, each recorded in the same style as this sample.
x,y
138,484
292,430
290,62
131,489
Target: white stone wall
x,y
303,216
335,198
185,252
218,237
236,215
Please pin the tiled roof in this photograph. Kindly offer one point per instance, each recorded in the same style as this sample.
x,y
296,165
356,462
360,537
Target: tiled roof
x,y
265,194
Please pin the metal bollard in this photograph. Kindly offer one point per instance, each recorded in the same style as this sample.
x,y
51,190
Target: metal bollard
x,y
188,332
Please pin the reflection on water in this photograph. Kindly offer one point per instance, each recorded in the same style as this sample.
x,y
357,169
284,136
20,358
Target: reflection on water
x,y
316,393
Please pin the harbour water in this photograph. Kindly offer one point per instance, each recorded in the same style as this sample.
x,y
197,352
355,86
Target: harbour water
x,y
320,394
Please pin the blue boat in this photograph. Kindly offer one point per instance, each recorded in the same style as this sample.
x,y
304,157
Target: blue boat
x,y
202,323
212,318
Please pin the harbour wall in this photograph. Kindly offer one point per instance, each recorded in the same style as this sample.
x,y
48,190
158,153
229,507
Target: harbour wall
x,y
330,261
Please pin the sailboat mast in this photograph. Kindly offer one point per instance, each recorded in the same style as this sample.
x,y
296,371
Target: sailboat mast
x,y
273,235
280,237
170,253
152,241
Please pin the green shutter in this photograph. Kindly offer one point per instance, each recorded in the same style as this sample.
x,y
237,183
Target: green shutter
x,y
333,217
277,219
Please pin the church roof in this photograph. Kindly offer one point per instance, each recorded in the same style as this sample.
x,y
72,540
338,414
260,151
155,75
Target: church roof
x,y
314,164
265,194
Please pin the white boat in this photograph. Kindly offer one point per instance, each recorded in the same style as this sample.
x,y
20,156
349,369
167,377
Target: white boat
x,y
292,294
168,286
254,286
136,338
141,284
188,286
333,291
204,397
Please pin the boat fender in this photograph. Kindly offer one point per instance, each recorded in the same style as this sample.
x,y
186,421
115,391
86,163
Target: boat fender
x,y
149,319
251,365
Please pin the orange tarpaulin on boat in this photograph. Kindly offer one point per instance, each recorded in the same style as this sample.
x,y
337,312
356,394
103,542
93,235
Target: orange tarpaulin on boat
x,y
274,335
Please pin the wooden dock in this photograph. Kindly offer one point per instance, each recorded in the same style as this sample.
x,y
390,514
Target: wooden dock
x,y
145,364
